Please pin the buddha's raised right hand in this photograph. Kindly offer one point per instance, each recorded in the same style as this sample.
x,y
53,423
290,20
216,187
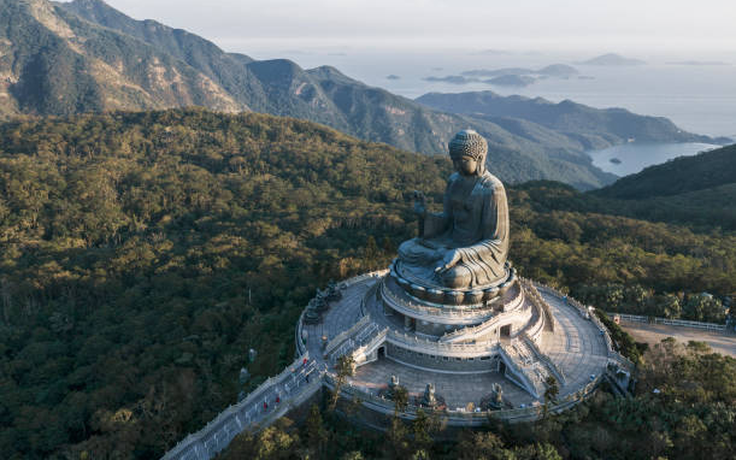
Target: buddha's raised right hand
x,y
420,202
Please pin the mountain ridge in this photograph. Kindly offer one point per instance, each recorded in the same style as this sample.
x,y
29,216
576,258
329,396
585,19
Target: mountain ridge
x,y
103,60
600,127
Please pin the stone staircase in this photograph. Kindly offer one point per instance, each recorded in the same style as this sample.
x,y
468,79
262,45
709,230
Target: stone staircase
x,y
360,340
484,329
526,366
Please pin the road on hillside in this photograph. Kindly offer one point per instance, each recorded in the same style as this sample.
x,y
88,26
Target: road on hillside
x,y
655,333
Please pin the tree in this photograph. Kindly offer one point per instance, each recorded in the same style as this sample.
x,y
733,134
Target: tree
x,y
550,393
275,443
400,398
667,306
479,446
421,429
397,435
344,368
704,307
353,455
316,433
537,451
370,252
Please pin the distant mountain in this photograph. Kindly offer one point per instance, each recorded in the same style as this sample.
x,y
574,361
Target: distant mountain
x,y
681,175
585,127
54,62
85,56
497,72
512,80
558,70
454,79
554,70
508,76
611,59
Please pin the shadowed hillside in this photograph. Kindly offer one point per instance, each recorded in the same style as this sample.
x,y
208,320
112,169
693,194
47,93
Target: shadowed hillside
x,y
681,175
586,126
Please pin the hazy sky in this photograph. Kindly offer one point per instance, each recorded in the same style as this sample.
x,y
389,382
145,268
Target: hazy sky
x,y
626,26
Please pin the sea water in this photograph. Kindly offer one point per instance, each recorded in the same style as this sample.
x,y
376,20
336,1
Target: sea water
x,y
632,158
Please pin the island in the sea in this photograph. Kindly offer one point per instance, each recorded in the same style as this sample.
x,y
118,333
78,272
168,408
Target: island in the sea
x,y
612,59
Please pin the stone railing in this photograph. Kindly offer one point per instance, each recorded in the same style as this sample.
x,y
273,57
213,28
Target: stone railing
x,y
670,322
217,434
291,385
422,345
461,417
365,276
521,375
539,301
585,312
364,340
412,308
535,326
604,330
363,349
546,360
301,346
346,334
473,331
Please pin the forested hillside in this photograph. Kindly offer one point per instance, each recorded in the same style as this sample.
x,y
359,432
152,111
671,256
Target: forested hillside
x,y
143,254
699,191
679,176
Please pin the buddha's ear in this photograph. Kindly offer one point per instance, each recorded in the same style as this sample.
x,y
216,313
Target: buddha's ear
x,y
481,167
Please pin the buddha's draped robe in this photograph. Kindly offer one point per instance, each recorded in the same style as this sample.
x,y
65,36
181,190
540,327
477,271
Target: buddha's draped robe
x,y
475,219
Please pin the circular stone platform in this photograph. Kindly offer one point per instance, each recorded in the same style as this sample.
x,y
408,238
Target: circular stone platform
x,y
514,342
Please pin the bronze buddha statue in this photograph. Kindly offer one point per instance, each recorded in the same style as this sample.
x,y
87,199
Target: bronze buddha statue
x,y
466,245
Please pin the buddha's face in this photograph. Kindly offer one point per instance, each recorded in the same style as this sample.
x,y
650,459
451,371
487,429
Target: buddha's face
x,y
465,165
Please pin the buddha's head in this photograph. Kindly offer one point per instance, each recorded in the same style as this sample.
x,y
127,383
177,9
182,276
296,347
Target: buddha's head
x,y
468,151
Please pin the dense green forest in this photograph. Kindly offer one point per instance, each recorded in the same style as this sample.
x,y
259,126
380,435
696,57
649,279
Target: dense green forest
x,y
698,190
143,254
678,176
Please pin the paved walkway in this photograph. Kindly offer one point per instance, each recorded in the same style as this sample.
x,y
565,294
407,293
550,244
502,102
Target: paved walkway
x,y
458,390
576,346
282,392
341,315
271,400
655,333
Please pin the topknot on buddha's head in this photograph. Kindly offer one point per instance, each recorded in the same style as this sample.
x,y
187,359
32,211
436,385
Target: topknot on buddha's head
x,y
469,143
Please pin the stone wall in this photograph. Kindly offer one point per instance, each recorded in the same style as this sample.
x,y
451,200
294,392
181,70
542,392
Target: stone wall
x,y
376,410
441,363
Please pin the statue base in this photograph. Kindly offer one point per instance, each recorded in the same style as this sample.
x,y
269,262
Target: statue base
x,y
421,284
